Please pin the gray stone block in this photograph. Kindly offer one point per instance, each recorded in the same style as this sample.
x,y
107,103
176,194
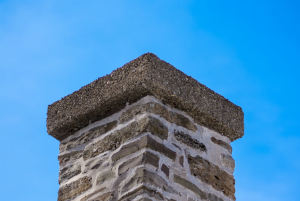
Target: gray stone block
x,y
212,175
189,141
73,189
116,139
222,144
69,172
160,110
143,176
189,185
143,142
144,158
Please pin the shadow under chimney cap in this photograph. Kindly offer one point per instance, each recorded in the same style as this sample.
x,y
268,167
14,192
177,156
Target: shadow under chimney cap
x,y
145,75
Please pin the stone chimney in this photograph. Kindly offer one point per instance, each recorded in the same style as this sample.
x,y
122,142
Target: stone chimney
x,y
145,132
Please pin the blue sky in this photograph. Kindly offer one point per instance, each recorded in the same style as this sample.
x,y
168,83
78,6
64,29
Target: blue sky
x,y
248,51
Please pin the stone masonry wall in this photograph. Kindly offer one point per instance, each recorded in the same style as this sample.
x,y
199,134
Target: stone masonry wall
x,y
147,151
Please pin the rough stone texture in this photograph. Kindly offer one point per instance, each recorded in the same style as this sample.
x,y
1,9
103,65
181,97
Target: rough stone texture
x,y
73,189
143,176
160,110
69,172
142,190
212,175
109,196
113,141
105,175
144,142
69,156
146,157
222,144
212,197
185,183
146,75
85,198
228,161
88,136
188,140
165,170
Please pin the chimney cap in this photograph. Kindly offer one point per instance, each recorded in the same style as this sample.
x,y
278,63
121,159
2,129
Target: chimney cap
x,y
145,75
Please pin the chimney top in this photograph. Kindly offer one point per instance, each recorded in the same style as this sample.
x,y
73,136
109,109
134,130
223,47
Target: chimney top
x,y
145,75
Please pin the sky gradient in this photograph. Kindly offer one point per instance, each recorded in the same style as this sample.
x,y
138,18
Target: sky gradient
x,y
247,51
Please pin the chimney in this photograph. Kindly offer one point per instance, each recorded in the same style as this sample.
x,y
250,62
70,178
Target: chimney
x,y
145,132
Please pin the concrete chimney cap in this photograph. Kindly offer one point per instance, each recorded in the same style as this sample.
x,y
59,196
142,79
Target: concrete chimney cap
x,y
145,75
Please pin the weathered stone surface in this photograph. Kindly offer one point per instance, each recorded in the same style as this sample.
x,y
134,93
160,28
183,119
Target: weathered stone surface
x,y
144,142
185,183
227,161
160,110
105,175
181,160
69,172
146,157
142,190
212,175
109,196
69,156
222,144
143,176
146,75
189,141
212,197
73,189
113,141
165,170
85,198
88,136
99,162
191,199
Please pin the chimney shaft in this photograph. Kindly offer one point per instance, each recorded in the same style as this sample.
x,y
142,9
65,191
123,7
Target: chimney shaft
x,y
148,132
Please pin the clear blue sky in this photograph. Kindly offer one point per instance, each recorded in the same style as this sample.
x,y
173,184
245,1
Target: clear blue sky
x,y
248,51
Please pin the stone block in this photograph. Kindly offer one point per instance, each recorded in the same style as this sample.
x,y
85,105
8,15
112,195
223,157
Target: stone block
x,y
69,156
69,172
88,136
186,184
86,198
105,175
144,142
109,196
165,170
189,141
228,161
73,189
160,110
114,140
143,176
146,75
146,157
222,144
142,190
212,175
